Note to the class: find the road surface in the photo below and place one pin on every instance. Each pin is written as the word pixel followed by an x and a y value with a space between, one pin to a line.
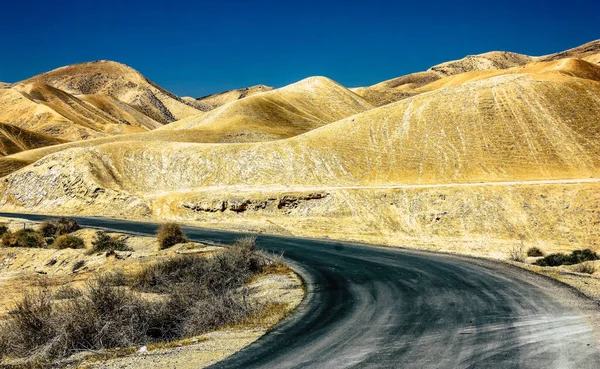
pixel 372 307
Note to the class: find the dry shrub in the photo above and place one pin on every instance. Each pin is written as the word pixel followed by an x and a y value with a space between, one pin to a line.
pixel 517 253
pixel 246 242
pixel 3 229
pixel 78 265
pixel 170 234
pixel 587 267
pixel 59 227
pixel 534 252
pixel 66 241
pixel 23 238
pixel 104 242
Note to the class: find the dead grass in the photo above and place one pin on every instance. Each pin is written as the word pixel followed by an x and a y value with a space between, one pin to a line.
pixel 517 253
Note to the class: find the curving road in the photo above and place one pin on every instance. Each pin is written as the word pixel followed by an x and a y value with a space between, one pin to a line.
pixel 371 307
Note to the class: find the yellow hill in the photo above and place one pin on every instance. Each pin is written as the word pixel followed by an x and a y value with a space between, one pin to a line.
pixel 48 110
pixel 518 126
pixel 481 158
pixel 281 113
pixel 276 114
pixel 120 81
pixel 216 100
pixel 589 52
pixel 406 86
pixel 196 103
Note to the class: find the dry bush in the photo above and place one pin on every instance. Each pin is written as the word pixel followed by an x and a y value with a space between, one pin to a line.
pixel 3 229
pixel 534 252
pixel 58 227
pixel 586 267
pixel 247 242
pixel 517 253
pixel 66 241
pixel 104 242
pixel 23 238
pixel 170 234
pixel 78 265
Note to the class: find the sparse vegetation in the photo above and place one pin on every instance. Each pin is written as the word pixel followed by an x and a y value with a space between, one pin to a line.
pixel 3 229
pixel 587 267
pixel 575 257
pixel 170 234
pixel 23 238
pixel 192 295
pixel 534 252
pixel 67 241
pixel 517 253
pixel 104 242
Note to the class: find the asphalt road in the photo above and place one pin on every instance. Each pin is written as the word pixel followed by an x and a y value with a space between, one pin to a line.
pixel 371 307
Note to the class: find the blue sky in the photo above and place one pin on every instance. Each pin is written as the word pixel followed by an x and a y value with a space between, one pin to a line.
pixel 196 48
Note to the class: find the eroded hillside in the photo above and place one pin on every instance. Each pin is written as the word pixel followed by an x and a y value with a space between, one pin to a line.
pixel 119 81
pixel 216 100
pixel 484 157
pixel 281 113
pixel 410 85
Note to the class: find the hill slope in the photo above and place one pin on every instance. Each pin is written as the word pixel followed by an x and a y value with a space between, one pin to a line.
pixel 282 113
pixel 216 100
pixel 276 114
pixel 14 139
pixel 520 126
pixel 487 156
pixel 405 86
pixel 119 81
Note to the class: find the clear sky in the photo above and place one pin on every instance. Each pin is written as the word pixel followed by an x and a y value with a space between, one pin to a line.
pixel 194 48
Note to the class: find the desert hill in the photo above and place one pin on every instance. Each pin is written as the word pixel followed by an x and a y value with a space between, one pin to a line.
pixel 589 52
pixel 405 86
pixel 281 113
pixel 48 110
pixel 215 100
pixel 121 82
pixel 491 156
pixel 485 130
pixel 124 113
pixel 89 100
